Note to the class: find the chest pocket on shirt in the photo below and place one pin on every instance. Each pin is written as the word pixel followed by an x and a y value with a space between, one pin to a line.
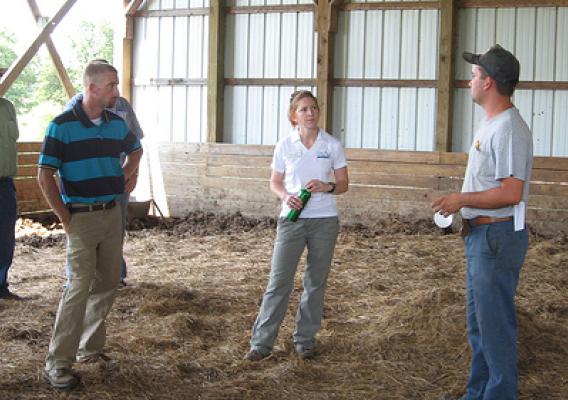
pixel 484 160
pixel 324 164
pixel 323 158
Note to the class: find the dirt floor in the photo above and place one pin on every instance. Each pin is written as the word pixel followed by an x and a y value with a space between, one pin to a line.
pixel 394 324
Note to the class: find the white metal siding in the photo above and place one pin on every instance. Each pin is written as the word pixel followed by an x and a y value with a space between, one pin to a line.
pixel 372 44
pixel 537 36
pixel 391 44
pixel 171 49
pixel 257 114
pixel 265 45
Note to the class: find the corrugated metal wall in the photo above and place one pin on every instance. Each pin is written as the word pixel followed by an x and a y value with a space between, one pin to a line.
pixel 537 36
pixel 170 72
pixel 265 46
pixel 389 44
pixel 170 69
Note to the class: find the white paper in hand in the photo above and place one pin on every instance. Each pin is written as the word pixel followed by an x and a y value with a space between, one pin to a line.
pixel 443 222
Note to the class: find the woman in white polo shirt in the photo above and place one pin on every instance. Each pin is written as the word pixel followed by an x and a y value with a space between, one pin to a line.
pixel 313 159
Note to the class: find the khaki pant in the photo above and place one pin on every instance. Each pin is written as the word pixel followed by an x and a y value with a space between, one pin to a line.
pixel 319 236
pixel 94 255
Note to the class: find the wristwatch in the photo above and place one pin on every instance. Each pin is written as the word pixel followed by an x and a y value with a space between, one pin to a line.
pixel 332 187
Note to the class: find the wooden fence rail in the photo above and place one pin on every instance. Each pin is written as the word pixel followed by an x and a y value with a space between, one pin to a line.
pixel 30 198
pixel 230 178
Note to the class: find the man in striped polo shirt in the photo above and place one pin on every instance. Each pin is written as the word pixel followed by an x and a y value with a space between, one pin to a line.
pixel 83 146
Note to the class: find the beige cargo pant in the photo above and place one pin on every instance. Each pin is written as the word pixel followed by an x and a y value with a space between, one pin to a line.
pixel 94 256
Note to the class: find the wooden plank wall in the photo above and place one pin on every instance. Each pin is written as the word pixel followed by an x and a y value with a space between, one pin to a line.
pixel 29 196
pixel 230 178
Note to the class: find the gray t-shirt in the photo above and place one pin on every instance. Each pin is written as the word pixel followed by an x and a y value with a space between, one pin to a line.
pixel 502 147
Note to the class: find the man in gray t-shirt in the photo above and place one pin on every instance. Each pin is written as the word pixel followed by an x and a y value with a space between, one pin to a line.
pixel 493 206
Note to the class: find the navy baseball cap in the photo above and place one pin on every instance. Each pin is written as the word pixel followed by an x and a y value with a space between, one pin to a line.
pixel 499 64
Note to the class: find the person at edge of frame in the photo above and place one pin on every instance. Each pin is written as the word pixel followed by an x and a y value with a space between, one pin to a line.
pixel 9 134
pixel 493 206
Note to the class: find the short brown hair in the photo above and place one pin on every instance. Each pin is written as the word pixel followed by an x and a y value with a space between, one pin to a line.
pixel 295 99
pixel 505 89
pixel 94 69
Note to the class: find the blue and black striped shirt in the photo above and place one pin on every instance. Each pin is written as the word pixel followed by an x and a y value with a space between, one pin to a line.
pixel 87 156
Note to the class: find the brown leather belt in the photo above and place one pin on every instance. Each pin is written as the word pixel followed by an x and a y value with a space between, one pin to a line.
pixel 484 220
pixel 481 220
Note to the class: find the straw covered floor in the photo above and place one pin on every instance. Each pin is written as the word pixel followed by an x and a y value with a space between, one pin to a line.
pixel 394 318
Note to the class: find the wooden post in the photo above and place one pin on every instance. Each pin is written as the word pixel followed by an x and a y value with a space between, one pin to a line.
pixel 216 72
pixel 61 71
pixel 16 68
pixel 444 117
pixel 326 26
pixel 127 48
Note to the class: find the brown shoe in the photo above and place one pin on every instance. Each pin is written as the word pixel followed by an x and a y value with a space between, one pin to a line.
pixel 61 378
pixel 255 355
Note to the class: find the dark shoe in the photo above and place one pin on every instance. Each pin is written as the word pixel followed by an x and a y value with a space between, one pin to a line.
pixel 61 378
pixel 7 295
pixel 255 355
pixel 122 284
pixel 93 358
pixel 305 352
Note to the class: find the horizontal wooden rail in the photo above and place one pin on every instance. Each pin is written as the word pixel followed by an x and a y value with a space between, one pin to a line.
pixel 231 177
pixel 28 194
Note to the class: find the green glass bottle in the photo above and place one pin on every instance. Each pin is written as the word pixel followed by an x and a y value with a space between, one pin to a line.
pixel 304 195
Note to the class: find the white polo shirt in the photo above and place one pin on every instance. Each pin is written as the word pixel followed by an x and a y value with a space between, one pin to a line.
pixel 300 165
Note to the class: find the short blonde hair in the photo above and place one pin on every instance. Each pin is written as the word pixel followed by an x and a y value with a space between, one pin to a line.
pixel 94 69
pixel 295 99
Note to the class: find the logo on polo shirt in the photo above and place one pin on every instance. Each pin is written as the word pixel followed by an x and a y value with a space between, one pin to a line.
pixel 323 154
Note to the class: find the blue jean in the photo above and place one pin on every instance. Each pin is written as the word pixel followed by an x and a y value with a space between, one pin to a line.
pixel 8 216
pixel 495 254
pixel 319 235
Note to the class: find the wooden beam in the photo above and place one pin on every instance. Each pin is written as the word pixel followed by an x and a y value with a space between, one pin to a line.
pixel 510 3
pixel 326 26
pixel 131 6
pixel 444 113
pixel 216 71
pixel 392 5
pixel 61 71
pixel 530 85
pixel 285 8
pixel 17 66
pixel 169 82
pixel 173 13
pixel 269 82
pixel 386 83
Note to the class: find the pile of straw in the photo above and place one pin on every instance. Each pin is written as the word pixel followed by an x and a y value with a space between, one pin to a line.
pixel 394 317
